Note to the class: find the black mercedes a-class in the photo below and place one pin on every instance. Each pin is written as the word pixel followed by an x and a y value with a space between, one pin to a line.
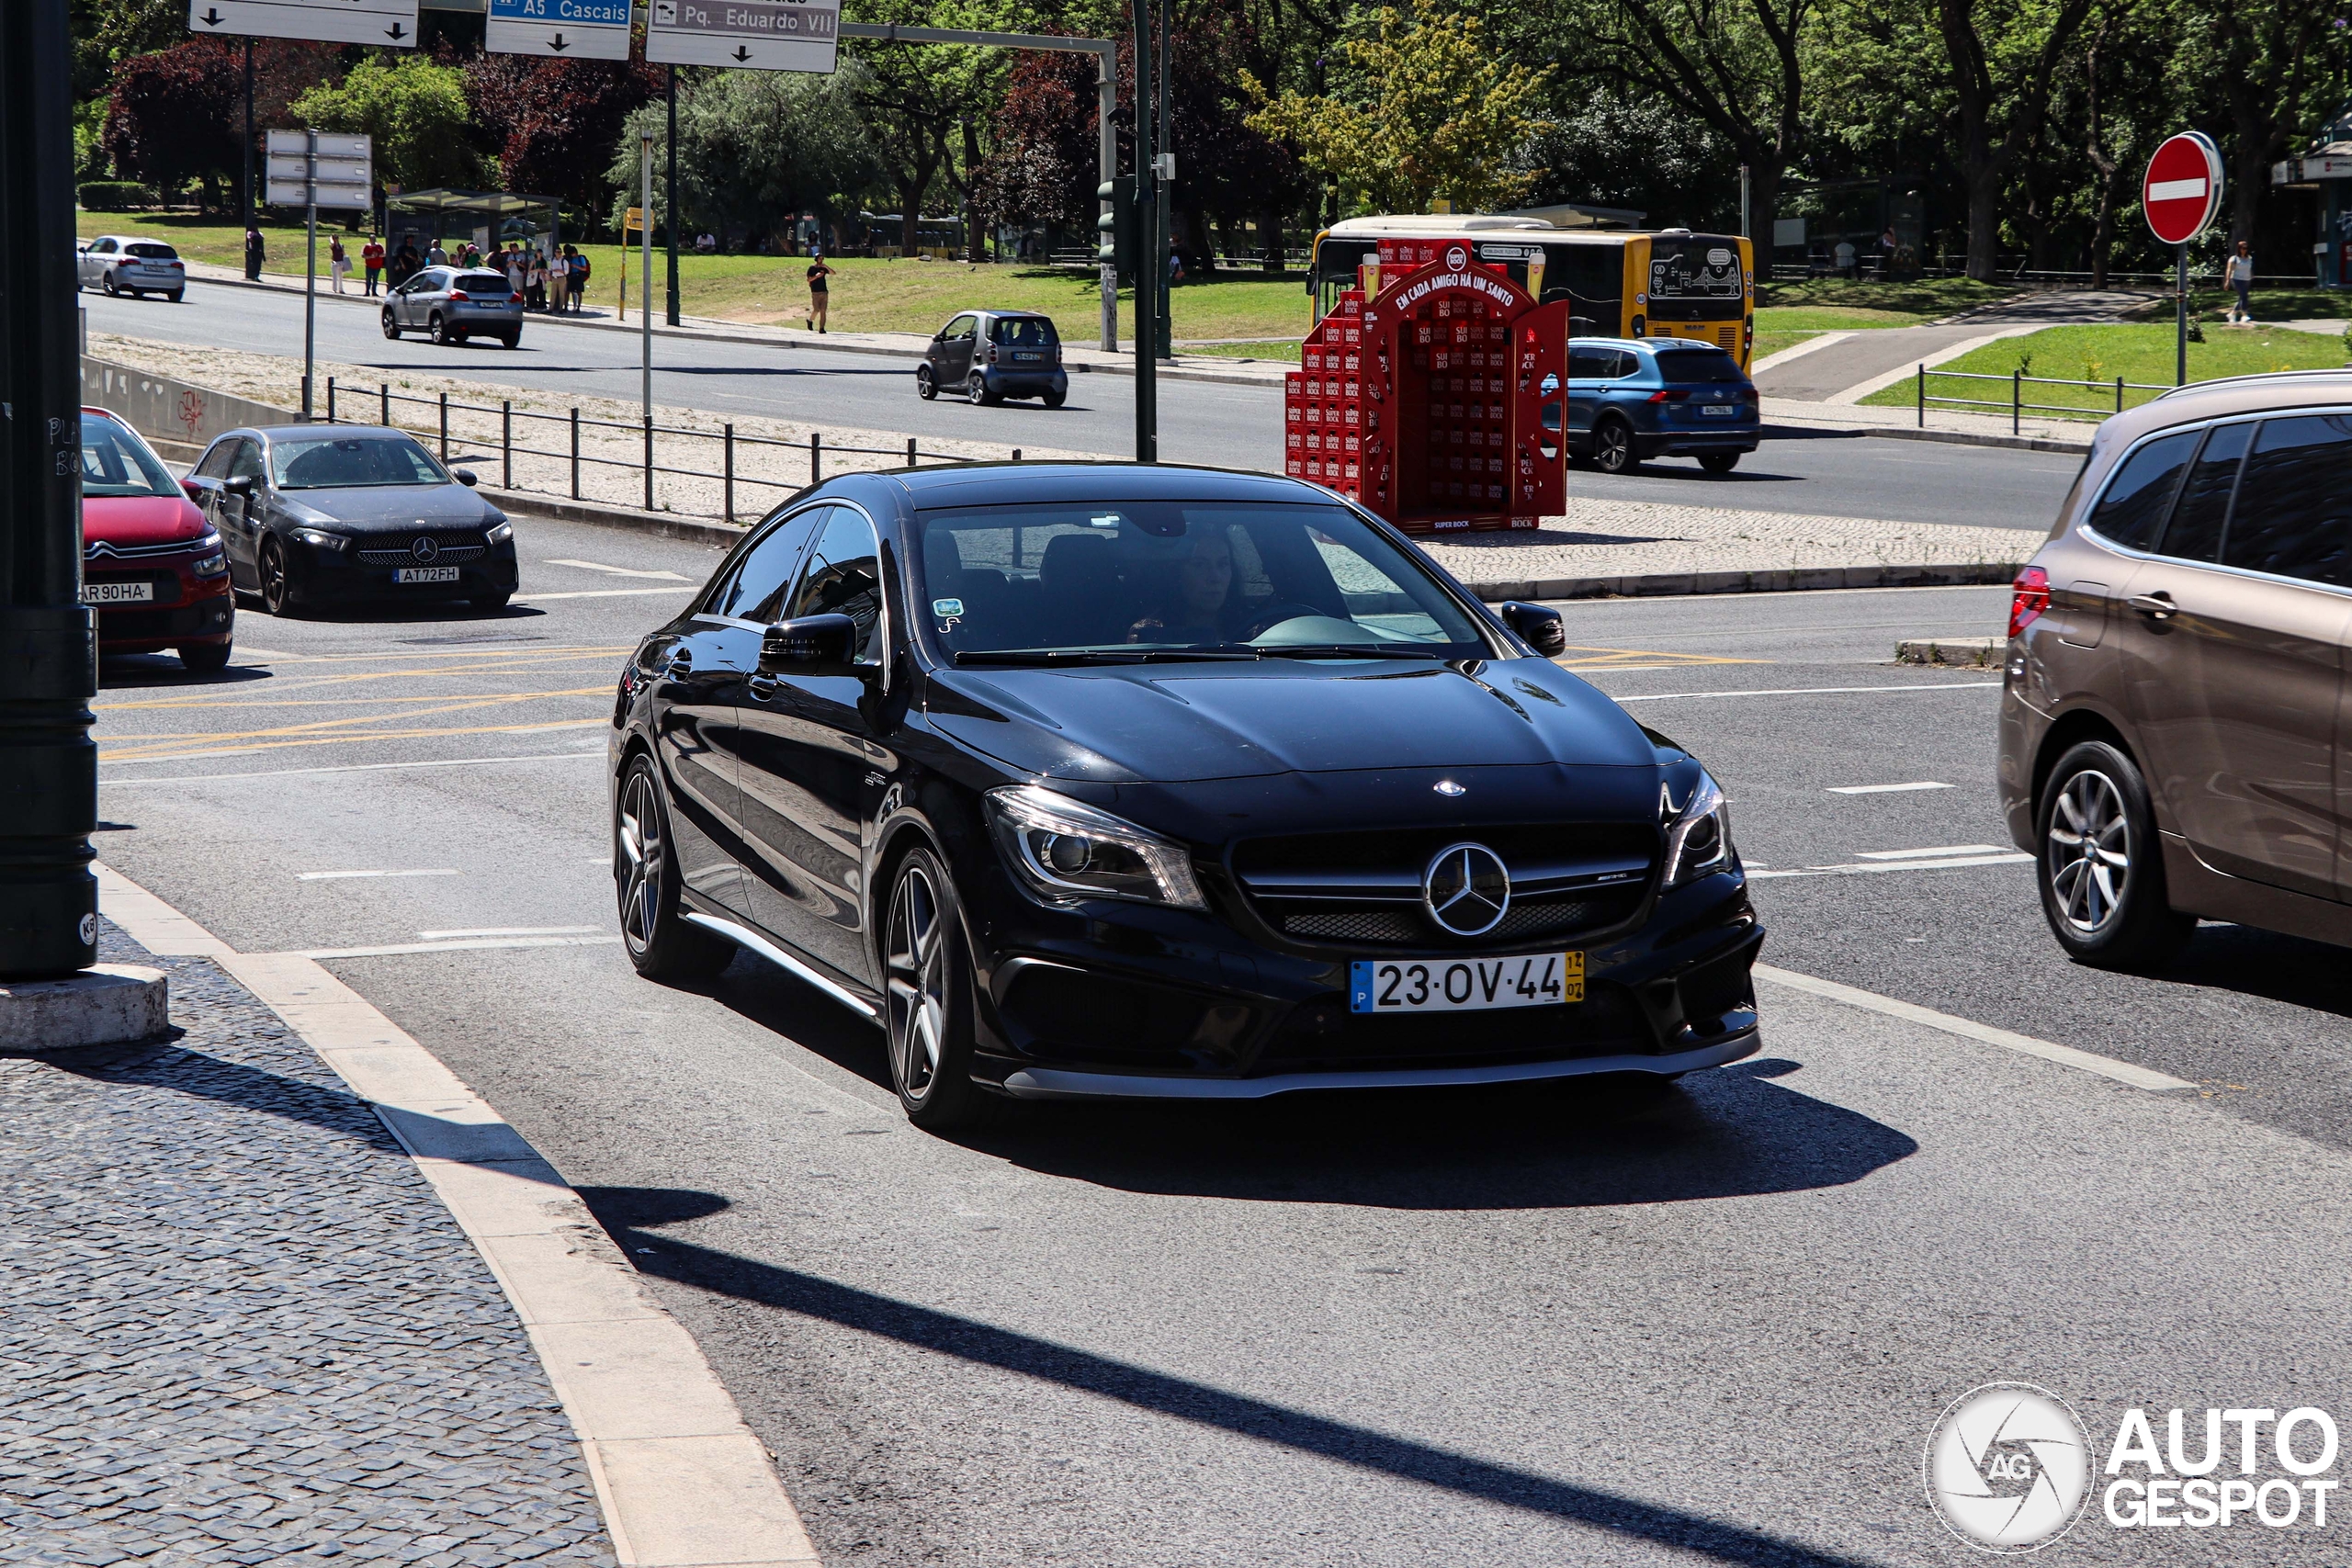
pixel 1109 781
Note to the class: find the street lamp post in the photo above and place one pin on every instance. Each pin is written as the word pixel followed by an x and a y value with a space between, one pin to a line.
pixel 1149 265
pixel 669 197
pixel 48 770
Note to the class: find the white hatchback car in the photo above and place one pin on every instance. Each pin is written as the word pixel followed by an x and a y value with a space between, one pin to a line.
pixel 125 264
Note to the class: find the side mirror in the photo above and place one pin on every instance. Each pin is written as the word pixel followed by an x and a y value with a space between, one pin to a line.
pixel 193 489
pixel 812 645
pixel 1542 629
pixel 466 477
pixel 241 485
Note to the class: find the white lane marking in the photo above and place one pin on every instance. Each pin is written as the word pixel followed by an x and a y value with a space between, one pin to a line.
pixel 600 859
pixel 620 570
pixel 1804 691
pixel 667 1452
pixel 1884 789
pixel 603 594
pixel 354 768
pixel 1856 870
pixel 508 931
pixel 1938 852
pixel 477 945
pixel 341 875
pixel 1969 1029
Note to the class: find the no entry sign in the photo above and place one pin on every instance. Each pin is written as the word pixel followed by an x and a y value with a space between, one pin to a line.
pixel 2183 187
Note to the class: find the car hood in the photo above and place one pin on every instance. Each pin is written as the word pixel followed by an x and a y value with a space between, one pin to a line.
pixel 390 508
pixel 139 520
pixel 1169 724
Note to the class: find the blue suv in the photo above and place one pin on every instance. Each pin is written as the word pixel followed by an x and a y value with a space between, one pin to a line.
pixel 1635 398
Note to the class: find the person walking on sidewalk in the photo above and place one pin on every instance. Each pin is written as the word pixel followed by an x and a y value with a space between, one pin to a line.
pixel 818 272
pixel 2240 278
pixel 254 253
pixel 338 262
pixel 371 257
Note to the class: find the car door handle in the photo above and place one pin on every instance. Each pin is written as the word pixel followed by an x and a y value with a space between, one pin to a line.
pixel 2155 606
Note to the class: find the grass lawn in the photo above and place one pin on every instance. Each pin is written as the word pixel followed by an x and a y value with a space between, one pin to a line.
pixel 1920 299
pixel 2139 353
pixel 2270 304
pixel 867 295
pixel 1768 343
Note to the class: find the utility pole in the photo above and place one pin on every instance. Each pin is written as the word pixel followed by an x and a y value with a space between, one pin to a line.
pixel 1148 272
pixel 645 242
pixel 1164 188
pixel 310 270
pixel 48 667
pixel 669 197
pixel 253 267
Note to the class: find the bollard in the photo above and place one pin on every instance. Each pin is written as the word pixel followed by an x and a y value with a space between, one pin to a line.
pixel 648 450
pixel 385 407
pixel 575 454
pixel 330 400
pixel 731 473
pixel 2017 398
pixel 444 428
pixel 2119 394
pixel 910 451
pixel 1016 453
pixel 1923 394
pixel 816 456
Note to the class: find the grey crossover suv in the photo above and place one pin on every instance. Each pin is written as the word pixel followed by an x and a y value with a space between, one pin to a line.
pixel 453 304
pixel 2171 744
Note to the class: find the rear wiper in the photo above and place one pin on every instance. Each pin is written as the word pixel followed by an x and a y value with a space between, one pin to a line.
pixel 1357 650
pixel 1048 657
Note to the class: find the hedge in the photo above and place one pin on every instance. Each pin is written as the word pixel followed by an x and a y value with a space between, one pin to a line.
pixel 115 196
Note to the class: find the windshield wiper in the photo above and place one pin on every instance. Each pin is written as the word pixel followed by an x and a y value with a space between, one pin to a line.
pixel 1046 657
pixel 1360 651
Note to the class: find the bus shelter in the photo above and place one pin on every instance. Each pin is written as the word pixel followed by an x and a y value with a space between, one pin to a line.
pixel 1434 394
pixel 489 219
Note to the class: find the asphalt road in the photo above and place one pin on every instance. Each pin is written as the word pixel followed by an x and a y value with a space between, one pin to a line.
pixel 1211 423
pixel 1493 1329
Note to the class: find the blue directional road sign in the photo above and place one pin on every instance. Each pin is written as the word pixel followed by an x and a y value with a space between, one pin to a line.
pixel 559 29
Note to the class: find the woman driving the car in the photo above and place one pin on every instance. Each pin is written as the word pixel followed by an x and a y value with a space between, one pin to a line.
pixel 1198 607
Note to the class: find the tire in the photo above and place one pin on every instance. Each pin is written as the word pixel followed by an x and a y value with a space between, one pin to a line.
pixel 925 387
pixel 1613 447
pixel 177 295
pixel 927 1003
pixel 490 604
pixel 975 391
pixel 277 580
pixel 660 942
pixel 105 283
pixel 391 327
pixel 1719 462
pixel 2101 870
pixel 509 340
pixel 203 657
pixel 1055 400
pixel 439 331
pixel 138 294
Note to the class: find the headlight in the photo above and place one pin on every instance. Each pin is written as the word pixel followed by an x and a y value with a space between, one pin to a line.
pixel 500 532
pixel 1066 850
pixel 1699 839
pixel 322 539
pixel 213 565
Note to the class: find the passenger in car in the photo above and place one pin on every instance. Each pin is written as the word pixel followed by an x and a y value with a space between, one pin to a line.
pixel 1199 601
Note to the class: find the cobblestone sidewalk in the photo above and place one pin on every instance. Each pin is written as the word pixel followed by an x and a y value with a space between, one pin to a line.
pixel 236 1325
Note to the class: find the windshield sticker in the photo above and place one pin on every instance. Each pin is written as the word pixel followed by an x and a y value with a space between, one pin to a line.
pixel 947 609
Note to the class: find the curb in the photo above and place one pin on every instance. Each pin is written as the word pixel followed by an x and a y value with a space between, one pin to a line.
pixel 1788 581
pixel 662 525
pixel 682 1482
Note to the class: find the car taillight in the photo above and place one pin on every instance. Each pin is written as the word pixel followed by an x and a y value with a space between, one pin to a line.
pixel 182 266
pixel 514 299
pixel 1748 394
pixel 991 353
pixel 2029 597
pixel 460 294
pixel 1671 395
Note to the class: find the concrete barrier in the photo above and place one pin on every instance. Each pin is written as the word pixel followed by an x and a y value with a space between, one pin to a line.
pixel 165 410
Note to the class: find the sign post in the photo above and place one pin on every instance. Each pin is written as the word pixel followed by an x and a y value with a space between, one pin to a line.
pixel 313 169
pixel 645 303
pixel 387 24
pixel 2179 194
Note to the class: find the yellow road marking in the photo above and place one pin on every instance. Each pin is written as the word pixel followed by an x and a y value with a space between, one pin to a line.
pixel 1623 657
pixel 342 702
pixel 145 745
pixel 159 756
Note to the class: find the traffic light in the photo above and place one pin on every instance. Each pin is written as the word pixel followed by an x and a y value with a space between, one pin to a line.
pixel 1120 242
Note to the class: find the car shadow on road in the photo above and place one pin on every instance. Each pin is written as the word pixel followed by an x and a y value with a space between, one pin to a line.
pixel 142 670
pixel 633 1215
pixel 1730 1133
pixel 2269 965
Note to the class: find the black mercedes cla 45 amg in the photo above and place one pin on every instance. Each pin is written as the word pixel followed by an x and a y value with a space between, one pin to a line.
pixel 1104 781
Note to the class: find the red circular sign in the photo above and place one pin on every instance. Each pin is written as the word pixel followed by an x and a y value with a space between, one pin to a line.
pixel 2182 188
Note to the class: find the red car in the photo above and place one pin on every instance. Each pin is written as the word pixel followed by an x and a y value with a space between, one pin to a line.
pixel 152 566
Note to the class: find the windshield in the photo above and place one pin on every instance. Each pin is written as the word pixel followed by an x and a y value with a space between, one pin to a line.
pixel 1711 365
pixel 1135 579
pixel 117 463
pixel 341 462
pixel 151 251
pixel 1024 332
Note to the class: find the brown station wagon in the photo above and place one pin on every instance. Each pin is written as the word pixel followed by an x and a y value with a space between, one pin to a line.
pixel 2173 743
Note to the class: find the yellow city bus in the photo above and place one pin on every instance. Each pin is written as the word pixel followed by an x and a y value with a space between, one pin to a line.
pixel 1661 283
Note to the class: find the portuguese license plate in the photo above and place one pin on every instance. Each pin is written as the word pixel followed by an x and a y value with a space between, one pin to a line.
pixel 1718 410
pixel 117 594
pixel 1464 985
pixel 425 574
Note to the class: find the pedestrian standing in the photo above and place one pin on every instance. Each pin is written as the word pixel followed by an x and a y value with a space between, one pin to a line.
pixel 535 281
pixel 254 253
pixel 371 258
pixel 576 284
pixel 514 271
pixel 1845 257
pixel 818 272
pixel 558 270
pixel 338 263
pixel 436 254
pixel 2240 278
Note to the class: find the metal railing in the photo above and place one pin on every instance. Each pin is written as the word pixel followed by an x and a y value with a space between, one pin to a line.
pixel 2016 405
pixel 729 473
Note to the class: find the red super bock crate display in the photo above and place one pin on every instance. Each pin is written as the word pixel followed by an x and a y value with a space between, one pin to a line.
pixel 1433 395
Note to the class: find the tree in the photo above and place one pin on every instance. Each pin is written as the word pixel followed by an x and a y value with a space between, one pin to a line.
pixel 2001 56
pixel 107 32
pixel 552 124
pixel 1626 150
pixel 1435 114
pixel 177 115
pixel 414 110
pixel 756 150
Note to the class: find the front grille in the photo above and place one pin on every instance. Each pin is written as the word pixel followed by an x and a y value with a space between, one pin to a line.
pixel 1364 889
pixel 455 549
pixel 107 549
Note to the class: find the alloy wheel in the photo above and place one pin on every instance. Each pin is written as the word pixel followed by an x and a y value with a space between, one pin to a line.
pixel 925 387
pixel 1612 446
pixel 277 587
pixel 977 390
pixel 2088 858
pixel 391 327
pixel 918 980
pixel 637 861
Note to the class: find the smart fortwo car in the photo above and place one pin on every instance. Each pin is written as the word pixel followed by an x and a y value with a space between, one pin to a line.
pixel 990 356
pixel 1151 782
